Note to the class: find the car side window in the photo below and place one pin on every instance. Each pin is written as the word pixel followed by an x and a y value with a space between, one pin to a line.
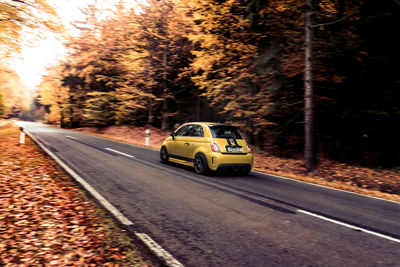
pixel 190 130
pixel 184 131
pixel 197 131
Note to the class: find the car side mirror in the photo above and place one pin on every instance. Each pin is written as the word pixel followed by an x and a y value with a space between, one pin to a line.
pixel 173 135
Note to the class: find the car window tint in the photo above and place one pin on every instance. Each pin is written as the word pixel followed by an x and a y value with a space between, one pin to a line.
pixel 197 131
pixel 183 131
pixel 190 130
pixel 223 131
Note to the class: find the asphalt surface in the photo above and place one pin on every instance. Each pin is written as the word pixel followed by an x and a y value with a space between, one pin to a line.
pixel 228 220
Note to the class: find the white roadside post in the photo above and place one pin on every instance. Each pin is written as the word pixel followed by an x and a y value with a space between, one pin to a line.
pixel 21 135
pixel 147 138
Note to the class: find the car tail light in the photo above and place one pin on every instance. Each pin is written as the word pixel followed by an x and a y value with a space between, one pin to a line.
pixel 215 148
pixel 248 149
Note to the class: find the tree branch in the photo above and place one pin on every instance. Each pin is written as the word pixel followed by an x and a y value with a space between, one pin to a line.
pixel 332 22
pixel 17 8
pixel 22 2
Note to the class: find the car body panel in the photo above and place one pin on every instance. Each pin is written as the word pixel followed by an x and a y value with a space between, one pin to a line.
pixel 233 149
pixel 178 147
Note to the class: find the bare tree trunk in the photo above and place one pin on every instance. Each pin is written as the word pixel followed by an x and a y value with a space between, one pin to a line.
pixel 164 123
pixel 150 113
pixel 62 123
pixel 308 92
pixel 71 117
pixel 60 107
pixel 198 105
pixel 71 111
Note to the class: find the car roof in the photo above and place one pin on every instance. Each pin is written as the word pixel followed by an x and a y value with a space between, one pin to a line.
pixel 211 124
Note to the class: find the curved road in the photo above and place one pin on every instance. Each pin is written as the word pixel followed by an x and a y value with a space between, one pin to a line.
pixel 223 220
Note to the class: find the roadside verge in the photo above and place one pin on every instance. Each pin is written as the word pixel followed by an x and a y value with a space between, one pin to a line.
pixel 163 256
pixel 46 220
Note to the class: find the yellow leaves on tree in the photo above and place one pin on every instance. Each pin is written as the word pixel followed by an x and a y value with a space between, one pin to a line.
pixel 224 66
pixel 13 91
pixel 53 94
pixel 18 16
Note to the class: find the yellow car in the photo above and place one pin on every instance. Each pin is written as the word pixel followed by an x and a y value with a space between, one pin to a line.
pixel 208 146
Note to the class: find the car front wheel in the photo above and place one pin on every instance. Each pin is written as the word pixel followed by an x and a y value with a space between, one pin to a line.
pixel 200 164
pixel 164 155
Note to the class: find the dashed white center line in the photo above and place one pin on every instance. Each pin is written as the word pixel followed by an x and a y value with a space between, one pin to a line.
pixel 71 137
pixel 350 226
pixel 119 152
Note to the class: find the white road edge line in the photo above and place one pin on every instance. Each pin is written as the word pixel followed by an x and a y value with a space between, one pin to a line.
pixel 158 250
pixel 119 152
pixel 147 240
pixel 71 137
pixel 87 186
pixel 350 226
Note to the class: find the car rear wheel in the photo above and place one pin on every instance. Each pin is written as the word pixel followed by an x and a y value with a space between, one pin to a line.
pixel 200 164
pixel 164 155
pixel 244 170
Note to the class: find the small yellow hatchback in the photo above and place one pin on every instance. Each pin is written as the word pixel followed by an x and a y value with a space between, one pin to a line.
pixel 208 146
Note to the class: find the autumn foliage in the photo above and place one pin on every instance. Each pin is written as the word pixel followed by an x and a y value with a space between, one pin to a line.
pixel 19 19
pixel 171 61
pixel 45 219
pixel 13 96
pixel 240 62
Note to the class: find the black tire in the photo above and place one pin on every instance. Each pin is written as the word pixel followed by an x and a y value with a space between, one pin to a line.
pixel 244 170
pixel 200 164
pixel 164 155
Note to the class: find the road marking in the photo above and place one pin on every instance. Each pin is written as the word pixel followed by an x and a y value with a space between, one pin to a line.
pixel 156 246
pixel 119 152
pixel 350 226
pixel 106 204
pixel 158 250
pixel 147 240
pixel 71 137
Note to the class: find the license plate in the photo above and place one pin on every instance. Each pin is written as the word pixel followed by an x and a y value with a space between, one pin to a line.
pixel 234 149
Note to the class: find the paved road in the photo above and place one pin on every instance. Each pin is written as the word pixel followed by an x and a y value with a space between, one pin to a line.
pixel 223 220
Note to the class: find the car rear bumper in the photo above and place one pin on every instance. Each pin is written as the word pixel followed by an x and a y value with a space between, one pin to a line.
pixel 236 167
pixel 218 161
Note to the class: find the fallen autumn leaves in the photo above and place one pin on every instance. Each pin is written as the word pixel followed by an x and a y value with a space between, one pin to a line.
pixel 45 219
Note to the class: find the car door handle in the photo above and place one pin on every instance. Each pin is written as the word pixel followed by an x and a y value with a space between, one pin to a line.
pixel 187 143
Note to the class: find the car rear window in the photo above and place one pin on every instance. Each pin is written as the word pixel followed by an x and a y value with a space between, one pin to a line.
pixel 224 131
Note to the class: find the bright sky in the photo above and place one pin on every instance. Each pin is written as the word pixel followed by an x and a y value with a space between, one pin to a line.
pixel 34 58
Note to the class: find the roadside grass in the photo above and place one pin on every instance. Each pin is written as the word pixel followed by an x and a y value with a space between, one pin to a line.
pixel 46 219
pixel 382 183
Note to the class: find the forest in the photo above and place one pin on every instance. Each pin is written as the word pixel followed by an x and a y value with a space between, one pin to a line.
pixel 235 61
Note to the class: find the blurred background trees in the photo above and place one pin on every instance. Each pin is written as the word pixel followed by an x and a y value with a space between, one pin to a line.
pixel 16 18
pixel 13 96
pixel 242 62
